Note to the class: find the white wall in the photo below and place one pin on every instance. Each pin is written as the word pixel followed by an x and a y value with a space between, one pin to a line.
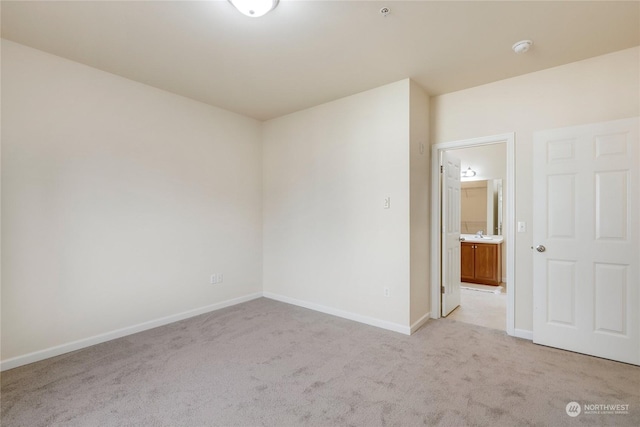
pixel 328 241
pixel 118 202
pixel 420 195
pixel 594 90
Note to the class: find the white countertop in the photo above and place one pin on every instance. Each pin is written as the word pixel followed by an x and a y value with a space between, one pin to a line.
pixel 493 240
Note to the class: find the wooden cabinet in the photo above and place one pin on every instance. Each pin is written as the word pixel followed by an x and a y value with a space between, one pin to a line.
pixel 481 263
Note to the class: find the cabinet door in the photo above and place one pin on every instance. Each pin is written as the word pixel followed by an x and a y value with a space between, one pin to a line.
pixel 466 262
pixel 486 262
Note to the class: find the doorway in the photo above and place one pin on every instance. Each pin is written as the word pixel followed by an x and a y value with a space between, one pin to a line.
pixel 497 222
pixel 483 299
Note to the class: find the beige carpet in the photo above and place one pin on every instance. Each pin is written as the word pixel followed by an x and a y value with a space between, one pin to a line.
pixel 272 364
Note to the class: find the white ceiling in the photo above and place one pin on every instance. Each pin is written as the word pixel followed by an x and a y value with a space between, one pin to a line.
pixel 306 53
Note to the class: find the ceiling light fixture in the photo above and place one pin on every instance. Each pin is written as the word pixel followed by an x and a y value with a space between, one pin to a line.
pixel 522 46
pixel 468 173
pixel 254 8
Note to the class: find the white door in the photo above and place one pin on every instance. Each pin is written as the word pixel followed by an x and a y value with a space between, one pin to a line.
pixel 450 233
pixel 586 239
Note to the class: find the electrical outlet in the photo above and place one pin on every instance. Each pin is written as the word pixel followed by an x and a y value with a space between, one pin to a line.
pixel 220 278
pixel 386 292
pixel 387 202
pixel 216 278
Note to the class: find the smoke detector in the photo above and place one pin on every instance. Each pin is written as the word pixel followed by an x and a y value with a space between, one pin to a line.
pixel 385 11
pixel 522 46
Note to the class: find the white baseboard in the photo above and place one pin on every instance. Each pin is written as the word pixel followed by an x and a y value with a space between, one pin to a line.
pixel 340 313
pixel 119 333
pixel 420 322
pixel 523 333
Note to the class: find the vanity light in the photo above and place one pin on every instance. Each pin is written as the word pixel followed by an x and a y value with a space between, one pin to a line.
pixel 254 8
pixel 468 173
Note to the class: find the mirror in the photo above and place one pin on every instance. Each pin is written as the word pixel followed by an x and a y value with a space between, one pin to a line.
pixel 481 207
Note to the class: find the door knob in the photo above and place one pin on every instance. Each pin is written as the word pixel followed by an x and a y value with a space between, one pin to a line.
pixel 540 248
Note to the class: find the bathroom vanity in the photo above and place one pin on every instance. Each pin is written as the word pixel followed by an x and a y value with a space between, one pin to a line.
pixel 481 259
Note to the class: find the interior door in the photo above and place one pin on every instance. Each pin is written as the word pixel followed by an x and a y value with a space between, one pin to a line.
pixel 450 233
pixel 586 240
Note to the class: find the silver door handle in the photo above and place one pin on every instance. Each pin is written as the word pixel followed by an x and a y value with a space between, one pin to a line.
pixel 540 248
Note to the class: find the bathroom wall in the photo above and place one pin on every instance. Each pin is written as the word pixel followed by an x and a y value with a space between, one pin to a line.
pixel 473 208
pixel 489 162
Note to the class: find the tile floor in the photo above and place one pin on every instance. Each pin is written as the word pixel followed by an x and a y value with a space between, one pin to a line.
pixel 486 309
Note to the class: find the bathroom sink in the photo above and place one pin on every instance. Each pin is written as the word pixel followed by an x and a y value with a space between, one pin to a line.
pixel 479 239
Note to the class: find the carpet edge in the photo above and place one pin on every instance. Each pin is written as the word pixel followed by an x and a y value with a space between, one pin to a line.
pixel 58 350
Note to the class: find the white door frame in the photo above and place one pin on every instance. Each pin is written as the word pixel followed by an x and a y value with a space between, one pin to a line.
pixel 509 223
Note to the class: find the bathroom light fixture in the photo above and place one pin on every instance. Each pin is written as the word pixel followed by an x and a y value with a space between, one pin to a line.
pixel 468 173
pixel 254 8
pixel 522 46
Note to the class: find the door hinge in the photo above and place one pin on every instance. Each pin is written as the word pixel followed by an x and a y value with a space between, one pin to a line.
pixel 441 168
pixel 442 289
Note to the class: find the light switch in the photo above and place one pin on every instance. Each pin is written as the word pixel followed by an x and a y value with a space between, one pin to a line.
pixel 522 226
pixel 387 202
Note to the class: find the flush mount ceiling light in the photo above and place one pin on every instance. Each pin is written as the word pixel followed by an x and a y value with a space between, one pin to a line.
pixel 254 8
pixel 468 173
pixel 522 46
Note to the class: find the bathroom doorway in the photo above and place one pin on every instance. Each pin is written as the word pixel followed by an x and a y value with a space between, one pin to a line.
pixel 483 300
pixel 486 234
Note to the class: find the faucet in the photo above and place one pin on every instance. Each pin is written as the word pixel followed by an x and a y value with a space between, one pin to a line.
pixel 479 234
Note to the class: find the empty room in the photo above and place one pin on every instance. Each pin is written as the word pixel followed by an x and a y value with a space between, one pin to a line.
pixel 320 213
